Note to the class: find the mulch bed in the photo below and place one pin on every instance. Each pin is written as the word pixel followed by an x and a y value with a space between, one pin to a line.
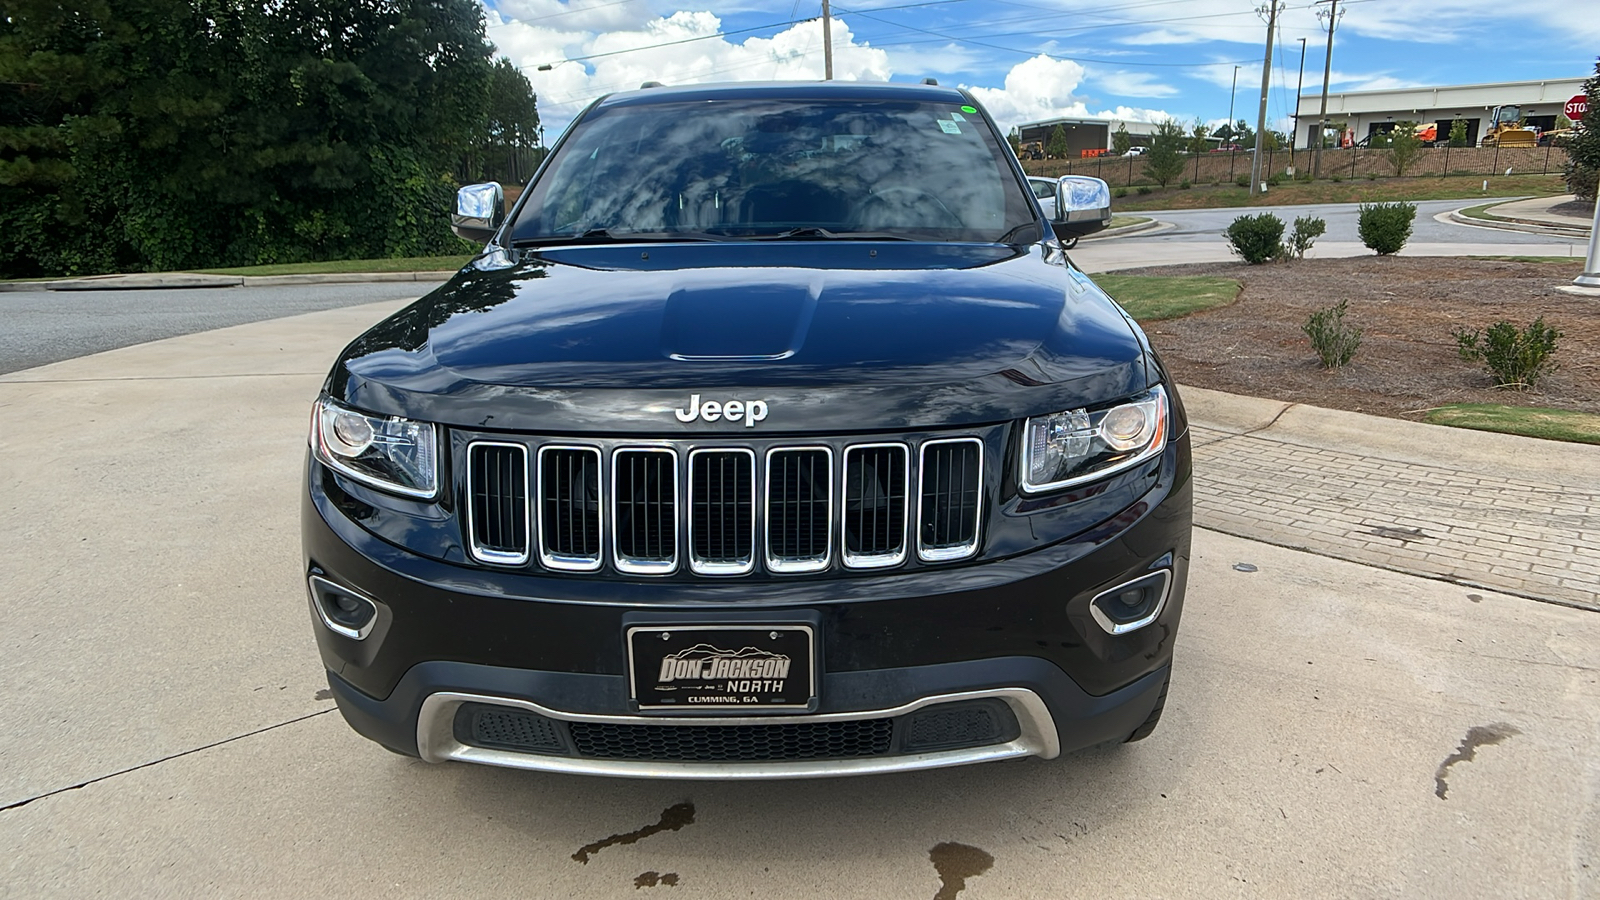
pixel 1407 308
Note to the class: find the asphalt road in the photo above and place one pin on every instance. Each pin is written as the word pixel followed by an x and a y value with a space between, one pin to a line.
pixel 1208 224
pixel 1332 731
pixel 45 326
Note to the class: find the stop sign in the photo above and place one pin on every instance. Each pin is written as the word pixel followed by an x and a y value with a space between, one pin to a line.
pixel 1577 106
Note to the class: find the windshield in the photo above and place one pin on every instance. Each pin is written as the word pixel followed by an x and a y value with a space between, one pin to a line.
pixel 754 168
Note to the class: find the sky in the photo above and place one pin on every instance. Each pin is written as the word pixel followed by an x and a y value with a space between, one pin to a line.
pixel 1028 60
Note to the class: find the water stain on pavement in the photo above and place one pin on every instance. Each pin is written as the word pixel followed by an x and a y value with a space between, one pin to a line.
pixel 651 879
pixel 1477 736
pixel 672 818
pixel 323 694
pixel 955 863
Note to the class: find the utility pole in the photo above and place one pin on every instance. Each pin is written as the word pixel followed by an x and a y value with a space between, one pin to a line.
pixel 1232 93
pixel 1327 69
pixel 1298 86
pixel 827 42
pixel 1261 112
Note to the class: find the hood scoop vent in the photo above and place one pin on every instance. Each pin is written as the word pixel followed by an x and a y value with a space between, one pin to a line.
pixel 743 322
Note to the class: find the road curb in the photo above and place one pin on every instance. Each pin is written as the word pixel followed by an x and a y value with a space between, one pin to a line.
pixel 1150 225
pixel 179 280
pixel 1507 223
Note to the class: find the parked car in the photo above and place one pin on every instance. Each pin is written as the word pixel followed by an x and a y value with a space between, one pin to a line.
pixel 773 434
pixel 1137 151
pixel 1226 148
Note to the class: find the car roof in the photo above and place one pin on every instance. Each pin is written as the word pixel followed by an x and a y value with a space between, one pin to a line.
pixel 787 90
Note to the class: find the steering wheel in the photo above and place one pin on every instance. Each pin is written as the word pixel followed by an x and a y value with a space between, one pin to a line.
pixel 911 198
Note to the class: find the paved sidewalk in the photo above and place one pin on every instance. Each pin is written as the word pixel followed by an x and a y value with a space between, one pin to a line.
pixel 1540 211
pixel 1511 514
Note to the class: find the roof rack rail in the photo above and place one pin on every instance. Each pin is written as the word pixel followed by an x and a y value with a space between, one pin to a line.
pixel 650 84
pixel 932 81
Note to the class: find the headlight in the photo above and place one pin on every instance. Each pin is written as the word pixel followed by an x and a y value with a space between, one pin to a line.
pixel 390 453
pixel 1070 448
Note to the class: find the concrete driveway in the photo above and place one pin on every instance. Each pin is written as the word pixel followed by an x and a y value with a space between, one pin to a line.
pixel 1334 730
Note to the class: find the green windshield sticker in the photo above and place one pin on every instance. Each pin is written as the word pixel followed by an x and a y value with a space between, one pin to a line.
pixel 949 127
pixel 970 110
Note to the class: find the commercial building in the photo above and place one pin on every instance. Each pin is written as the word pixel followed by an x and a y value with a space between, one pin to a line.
pixel 1363 113
pixel 1086 134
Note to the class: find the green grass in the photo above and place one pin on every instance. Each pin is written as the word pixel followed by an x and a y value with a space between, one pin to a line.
pixel 1151 298
pixel 1127 221
pixel 343 266
pixel 1455 187
pixel 1528 421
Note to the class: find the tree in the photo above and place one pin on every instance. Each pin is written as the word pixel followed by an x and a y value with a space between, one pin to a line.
pixel 1121 140
pixel 1458 132
pixel 1057 146
pixel 1583 149
pixel 1164 161
pixel 1014 138
pixel 170 134
pixel 1404 146
pixel 1197 137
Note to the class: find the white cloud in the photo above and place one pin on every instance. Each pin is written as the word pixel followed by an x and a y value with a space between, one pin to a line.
pixel 1045 88
pixel 794 54
pixel 1133 84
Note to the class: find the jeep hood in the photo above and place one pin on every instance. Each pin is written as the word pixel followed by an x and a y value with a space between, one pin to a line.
pixel 836 336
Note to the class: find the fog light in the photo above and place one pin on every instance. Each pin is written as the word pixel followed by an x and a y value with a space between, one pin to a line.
pixel 342 610
pixel 1131 606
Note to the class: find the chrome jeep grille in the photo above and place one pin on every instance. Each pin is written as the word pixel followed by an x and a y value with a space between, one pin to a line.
pixel 497 480
pixel 951 490
pixel 644 497
pixel 660 507
pixel 570 512
pixel 799 509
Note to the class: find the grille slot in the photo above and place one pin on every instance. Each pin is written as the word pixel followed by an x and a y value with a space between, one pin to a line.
pixel 877 480
pixel 722 501
pixel 497 485
pixel 644 499
pixel 713 743
pixel 569 508
pixel 799 509
pixel 950 485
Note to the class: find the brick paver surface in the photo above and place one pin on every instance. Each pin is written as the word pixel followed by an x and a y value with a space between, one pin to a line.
pixel 1536 540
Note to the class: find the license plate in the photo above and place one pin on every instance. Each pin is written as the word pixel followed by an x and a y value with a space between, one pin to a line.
pixel 722 667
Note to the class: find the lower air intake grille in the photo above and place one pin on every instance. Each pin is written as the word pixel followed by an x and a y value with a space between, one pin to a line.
pixel 569 510
pixel 482 725
pixel 799 516
pixel 722 511
pixel 951 487
pixel 497 484
pixel 875 491
pixel 712 743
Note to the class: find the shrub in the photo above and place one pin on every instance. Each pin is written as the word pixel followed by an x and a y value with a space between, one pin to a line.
pixel 1385 227
pixel 1372 176
pixel 1336 178
pixel 1334 341
pixel 1184 186
pixel 1120 192
pixel 1257 238
pixel 1516 359
pixel 1306 231
pixel 1242 180
pixel 1145 189
pixel 1274 180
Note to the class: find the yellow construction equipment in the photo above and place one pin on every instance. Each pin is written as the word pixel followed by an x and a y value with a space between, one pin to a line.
pixel 1506 129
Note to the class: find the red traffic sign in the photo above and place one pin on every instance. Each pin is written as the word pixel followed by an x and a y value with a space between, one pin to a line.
pixel 1577 106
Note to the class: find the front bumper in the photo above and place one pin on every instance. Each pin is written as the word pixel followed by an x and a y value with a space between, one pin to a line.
pixel 1017 631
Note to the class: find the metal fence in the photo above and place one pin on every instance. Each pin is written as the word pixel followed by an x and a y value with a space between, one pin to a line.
pixel 1354 162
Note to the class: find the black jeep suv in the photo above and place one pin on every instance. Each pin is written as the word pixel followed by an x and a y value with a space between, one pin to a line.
pixel 773 434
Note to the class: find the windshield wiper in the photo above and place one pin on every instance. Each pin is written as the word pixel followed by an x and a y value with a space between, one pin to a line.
pixel 607 236
pixel 812 232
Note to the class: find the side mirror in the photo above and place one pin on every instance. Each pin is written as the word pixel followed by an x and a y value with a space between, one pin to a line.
pixel 480 209
pixel 1083 207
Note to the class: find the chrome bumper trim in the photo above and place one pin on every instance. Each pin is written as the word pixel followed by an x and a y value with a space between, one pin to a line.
pixel 436 741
